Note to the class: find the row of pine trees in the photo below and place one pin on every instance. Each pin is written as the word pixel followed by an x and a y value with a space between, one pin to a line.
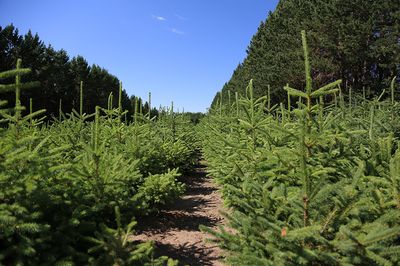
pixel 310 183
pixel 72 190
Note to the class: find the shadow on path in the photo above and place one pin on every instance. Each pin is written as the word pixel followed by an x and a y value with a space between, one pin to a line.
pixel 175 230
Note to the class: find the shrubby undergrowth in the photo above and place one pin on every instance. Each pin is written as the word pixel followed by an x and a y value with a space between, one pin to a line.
pixel 313 185
pixel 65 184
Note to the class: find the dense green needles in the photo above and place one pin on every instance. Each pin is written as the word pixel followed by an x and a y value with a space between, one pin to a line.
pixel 318 187
pixel 63 182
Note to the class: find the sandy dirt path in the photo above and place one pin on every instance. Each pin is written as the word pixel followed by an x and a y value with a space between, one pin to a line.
pixel 175 230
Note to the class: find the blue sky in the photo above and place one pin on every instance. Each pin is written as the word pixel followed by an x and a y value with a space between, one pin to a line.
pixel 179 50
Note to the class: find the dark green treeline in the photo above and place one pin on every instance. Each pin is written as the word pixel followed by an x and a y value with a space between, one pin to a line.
pixel 353 40
pixel 60 77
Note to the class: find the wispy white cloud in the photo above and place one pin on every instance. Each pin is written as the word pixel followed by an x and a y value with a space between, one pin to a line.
pixel 179 16
pixel 177 31
pixel 159 18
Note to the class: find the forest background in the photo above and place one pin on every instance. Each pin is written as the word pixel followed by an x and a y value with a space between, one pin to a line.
pixel 60 79
pixel 355 41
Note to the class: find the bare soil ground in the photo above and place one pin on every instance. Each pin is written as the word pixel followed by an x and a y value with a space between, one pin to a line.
pixel 175 230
